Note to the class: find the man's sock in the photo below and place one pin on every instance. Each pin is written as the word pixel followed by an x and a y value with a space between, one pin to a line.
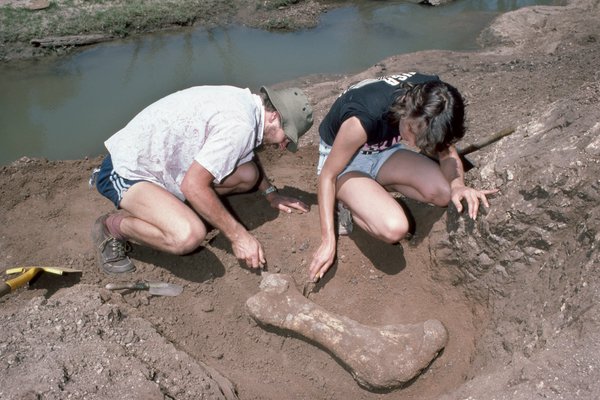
pixel 113 225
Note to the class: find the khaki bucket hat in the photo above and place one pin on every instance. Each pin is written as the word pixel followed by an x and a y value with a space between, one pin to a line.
pixel 296 113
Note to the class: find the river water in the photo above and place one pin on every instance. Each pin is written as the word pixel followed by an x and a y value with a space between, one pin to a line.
pixel 65 109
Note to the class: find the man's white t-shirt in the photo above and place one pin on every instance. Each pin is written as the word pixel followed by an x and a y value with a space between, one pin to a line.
pixel 217 126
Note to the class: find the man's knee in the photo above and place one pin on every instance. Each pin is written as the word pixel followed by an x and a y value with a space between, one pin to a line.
pixel 186 239
pixel 244 179
pixel 249 176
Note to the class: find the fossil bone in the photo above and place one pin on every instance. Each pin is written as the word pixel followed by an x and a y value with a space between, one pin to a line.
pixel 378 357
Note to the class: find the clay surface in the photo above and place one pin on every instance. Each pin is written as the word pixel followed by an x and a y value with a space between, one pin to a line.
pixel 517 290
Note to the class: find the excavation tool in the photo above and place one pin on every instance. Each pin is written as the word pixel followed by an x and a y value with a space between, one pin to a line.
pixel 155 288
pixel 308 288
pixel 27 274
pixel 468 149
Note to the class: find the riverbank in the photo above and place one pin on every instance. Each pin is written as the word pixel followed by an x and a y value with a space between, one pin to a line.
pixel 517 289
pixel 41 29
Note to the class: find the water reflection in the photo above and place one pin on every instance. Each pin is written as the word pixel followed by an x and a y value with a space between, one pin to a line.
pixel 66 109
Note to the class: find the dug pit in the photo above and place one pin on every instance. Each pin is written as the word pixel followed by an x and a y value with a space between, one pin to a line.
pixel 378 357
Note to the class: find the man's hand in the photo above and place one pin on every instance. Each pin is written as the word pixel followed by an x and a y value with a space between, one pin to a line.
pixel 472 197
pixel 286 204
pixel 197 186
pixel 248 249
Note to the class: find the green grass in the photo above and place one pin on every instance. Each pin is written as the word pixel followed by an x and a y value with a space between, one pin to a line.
pixel 275 4
pixel 99 16
pixel 18 24
pixel 279 24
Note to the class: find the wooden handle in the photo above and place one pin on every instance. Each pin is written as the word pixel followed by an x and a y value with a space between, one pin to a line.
pixel 485 141
pixel 4 289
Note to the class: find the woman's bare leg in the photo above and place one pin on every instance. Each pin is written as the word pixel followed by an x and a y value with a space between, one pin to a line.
pixel 373 208
pixel 416 177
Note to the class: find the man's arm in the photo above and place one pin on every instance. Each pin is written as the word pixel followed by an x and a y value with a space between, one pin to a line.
pixel 198 190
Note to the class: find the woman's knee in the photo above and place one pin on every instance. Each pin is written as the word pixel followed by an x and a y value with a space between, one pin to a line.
pixel 439 195
pixel 394 230
pixel 390 229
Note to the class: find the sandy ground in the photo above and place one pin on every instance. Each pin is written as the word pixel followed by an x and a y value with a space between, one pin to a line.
pixel 517 290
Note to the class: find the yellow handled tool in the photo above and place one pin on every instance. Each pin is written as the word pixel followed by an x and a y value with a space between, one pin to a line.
pixel 27 274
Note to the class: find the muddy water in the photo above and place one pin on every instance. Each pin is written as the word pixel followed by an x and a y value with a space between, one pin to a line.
pixel 65 109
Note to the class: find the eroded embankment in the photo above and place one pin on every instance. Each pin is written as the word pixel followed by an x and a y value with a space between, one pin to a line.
pixel 533 257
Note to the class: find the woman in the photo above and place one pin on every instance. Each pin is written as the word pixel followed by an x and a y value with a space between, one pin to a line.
pixel 365 154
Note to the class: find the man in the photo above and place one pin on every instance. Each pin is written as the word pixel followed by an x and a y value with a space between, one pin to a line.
pixel 362 158
pixel 167 168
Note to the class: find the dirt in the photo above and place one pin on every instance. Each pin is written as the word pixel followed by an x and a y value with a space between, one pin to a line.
pixel 517 289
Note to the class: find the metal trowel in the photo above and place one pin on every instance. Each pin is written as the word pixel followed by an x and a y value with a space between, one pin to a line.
pixel 155 288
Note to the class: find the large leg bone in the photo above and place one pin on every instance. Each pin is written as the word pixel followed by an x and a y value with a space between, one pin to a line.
pixel 383 357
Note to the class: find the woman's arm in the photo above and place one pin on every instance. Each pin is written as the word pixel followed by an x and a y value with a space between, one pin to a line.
pixel 452 169
pixel 349 139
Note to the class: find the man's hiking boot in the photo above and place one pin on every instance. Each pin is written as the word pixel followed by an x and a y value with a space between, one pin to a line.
pixel 112 252
pixel 344 219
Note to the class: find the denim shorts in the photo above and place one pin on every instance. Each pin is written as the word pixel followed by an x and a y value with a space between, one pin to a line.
pixel 110 184
pixel 369 163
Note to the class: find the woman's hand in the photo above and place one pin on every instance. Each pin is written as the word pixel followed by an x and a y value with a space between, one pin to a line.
pixel 322 260
pixel 472 197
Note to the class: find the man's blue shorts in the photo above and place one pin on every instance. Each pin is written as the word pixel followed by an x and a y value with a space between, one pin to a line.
pixel 110 184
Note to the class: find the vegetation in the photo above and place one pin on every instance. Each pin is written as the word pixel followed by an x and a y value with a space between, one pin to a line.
pixel 119 18
pixel 20 26
pixel 275 4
